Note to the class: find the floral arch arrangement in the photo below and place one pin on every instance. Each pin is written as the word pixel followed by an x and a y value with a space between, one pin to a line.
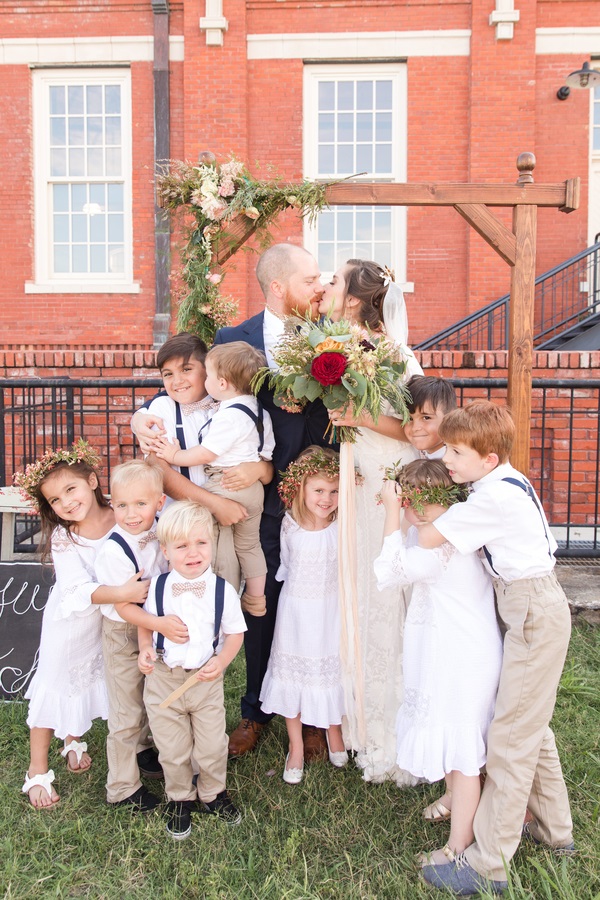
pixel 228 205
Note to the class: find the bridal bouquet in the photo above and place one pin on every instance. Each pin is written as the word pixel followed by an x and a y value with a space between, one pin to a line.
pixel 334 362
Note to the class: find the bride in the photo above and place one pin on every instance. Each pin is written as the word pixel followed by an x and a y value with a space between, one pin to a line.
pixel 363 292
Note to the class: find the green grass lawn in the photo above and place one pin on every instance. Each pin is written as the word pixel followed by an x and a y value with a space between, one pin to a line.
pixel 333 836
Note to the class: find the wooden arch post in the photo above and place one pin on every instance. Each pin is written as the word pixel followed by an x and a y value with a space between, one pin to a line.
pixel 516 247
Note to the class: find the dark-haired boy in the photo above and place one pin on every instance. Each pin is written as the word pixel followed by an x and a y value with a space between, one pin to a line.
pixel 431 399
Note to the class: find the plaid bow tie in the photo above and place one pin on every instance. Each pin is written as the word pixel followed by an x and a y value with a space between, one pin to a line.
pixel 194 587
pixel 148 539
pixel 207 404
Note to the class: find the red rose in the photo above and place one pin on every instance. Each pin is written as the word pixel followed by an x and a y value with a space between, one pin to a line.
pixel 328 368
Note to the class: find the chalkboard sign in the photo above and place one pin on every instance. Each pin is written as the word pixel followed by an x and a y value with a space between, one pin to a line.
pixel 24 589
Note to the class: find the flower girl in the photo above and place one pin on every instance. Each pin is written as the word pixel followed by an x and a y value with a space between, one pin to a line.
pixel 452 650
pixel 303 679
pixel 68 691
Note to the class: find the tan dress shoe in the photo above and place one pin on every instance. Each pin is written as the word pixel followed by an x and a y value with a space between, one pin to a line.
pixel 245 737
pixel 315 744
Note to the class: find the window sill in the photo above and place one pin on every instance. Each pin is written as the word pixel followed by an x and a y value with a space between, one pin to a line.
pixel 100 287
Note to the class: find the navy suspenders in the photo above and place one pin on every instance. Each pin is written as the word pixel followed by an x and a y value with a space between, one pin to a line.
pixel 160 610
pixel 181 437
pixel 125 548
pixel 257 419
pixel 528 488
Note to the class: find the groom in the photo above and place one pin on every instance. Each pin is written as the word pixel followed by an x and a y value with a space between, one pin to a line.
pixel 289 278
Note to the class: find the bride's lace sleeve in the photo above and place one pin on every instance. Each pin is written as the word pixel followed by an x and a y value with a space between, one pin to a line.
pixel 399 564
pixel 75 578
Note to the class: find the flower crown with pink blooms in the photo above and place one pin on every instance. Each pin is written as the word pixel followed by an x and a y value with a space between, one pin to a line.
pixel 29 480
pixel 315 463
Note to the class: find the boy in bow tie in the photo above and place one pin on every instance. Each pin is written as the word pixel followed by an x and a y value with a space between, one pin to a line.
pixel 192 727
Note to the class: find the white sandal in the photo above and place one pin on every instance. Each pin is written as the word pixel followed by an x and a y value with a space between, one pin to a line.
pixel 44 781
pixel 78 748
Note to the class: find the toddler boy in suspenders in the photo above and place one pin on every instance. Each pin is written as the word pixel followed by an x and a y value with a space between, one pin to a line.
pixel 191 729
pixel 240 431
pixel 504 518
pixel 132 547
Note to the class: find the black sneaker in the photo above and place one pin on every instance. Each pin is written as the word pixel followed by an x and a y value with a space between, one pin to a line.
pixel 142 800
pixel 148 763
pixel 179 820
pixel 223 807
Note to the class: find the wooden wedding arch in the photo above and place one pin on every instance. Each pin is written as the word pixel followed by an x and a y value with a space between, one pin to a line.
pixel 516 247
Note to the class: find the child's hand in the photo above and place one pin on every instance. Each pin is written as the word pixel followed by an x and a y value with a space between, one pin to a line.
pixel 391 495
pixel 173 629
pixel 166 449
pixel 212 670
pixel 146 660
pixel 134 590
pixel 146 428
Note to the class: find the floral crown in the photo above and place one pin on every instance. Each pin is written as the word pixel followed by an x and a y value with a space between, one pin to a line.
pixel 317 463
pixel 427 494
pixel 29 480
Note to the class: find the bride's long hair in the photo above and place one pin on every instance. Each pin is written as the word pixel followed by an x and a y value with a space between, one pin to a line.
pixel 366 282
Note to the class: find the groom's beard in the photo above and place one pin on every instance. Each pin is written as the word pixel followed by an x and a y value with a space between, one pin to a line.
pixel 299 307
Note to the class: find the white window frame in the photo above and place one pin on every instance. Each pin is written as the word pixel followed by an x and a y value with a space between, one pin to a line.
pixel 397 73
pixel 77 283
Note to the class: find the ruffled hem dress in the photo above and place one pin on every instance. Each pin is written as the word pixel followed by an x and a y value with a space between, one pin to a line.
pixel 452 657
pixel 68 691
pixel 304 675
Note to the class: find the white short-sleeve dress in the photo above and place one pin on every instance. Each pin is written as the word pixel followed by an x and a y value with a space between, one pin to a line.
pixel 67 691
pixel 303 675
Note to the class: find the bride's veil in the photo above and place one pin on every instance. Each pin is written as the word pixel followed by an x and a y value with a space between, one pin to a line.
pixel 395 322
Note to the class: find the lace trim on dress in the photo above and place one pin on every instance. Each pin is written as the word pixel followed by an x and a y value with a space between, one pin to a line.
pixel 85 675
pixel 323 672
pixel 416 705
pixel 61 542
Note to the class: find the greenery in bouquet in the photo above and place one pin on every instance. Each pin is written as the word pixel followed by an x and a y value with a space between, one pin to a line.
pixel 428 494
pixel 336 363
pixel 227 205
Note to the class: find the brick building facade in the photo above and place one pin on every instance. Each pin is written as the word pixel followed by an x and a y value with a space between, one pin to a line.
pixel 403 89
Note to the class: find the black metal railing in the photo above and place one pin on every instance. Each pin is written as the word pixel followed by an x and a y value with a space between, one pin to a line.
pixel 565 439
pixel 564 296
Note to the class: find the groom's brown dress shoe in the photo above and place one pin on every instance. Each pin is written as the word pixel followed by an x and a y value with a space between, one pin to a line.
pixel 244 738
pixel 315 744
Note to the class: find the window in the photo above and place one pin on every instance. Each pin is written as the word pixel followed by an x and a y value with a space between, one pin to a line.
pixel 594 191
pixel 355 122
pixel 82 153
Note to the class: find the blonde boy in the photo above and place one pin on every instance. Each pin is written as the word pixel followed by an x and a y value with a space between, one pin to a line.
pixel 136 497
pixel 240 431
pixel 192 727
pixel 504 518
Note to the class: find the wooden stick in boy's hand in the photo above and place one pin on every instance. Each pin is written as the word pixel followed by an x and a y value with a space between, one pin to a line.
pixel 193 679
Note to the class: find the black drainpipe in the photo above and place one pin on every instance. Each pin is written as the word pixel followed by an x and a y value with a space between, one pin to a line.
pixel 162 226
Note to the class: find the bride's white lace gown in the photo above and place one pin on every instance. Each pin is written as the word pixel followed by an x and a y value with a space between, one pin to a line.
pixel 381 614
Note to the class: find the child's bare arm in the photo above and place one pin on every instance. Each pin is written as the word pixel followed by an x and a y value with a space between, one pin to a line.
pixel 246 474
pixel 171 626
pixel 147 654
pixel 391 499
pixel 430 537
pixel 217 664
pixel 133 591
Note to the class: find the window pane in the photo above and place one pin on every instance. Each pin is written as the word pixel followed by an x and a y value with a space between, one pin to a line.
pixel 326 159
pixel 364 95
pixel 116 259
pixel 94 99
pixel 346 127
pixel 113 130
pixel 383 95
pixel 383 159
pixel 364 225
pixel 94 130
pixel 326 226
pixel 364 127
pixel 97 258
pixel 326 127
pixel 113 161
pixel 115 197
pixel 58 132
pixel 61 228
pixel 383 127
pixel 75 95
pixel 345 160
pixel 60 197
pixel 57 100
pixel 78 197
pixel 112 99
pixel 79 259
pixel 58 162
pixel 76 162
pixel 97 228
pixel 115 228
pixel 345 225
pixel 98 194
pixel 95 159
pixel 79 227
pixel 364 158
pixel 383 224
pixel 327 257
pixel 383 254
pixel 76 131
pixel 61 259
pixel 326 95
pixel 363 251
pixel 346 95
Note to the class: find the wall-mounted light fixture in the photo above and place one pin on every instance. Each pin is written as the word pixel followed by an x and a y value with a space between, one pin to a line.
pixel 582 78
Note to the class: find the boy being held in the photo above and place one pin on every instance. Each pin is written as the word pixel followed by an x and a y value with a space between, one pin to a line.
pixel 240 431
pixel 136 497
pixel 180 411
pixel 431 399
pixel 193 726
pixel 504 517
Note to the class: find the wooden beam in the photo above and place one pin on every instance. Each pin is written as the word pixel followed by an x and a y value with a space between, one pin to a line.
pixel 450 194
pixel 491 229
pixel 520 357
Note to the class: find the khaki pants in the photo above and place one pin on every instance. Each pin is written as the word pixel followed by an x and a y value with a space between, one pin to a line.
pixel 523 768
pixel 245 536
pixel 128 730
pixel 189 732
